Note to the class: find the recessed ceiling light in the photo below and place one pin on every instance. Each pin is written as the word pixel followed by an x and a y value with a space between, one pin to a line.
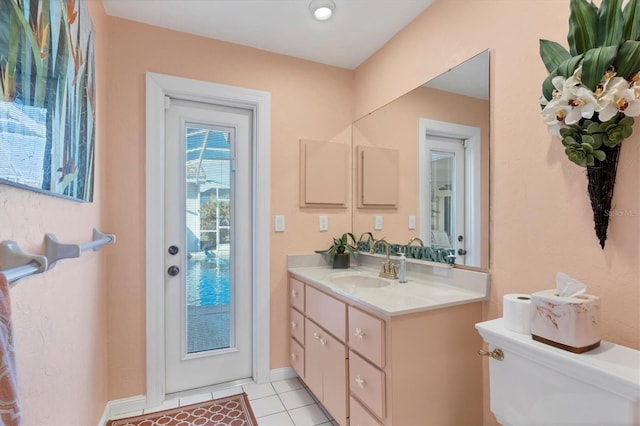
pixel 322 9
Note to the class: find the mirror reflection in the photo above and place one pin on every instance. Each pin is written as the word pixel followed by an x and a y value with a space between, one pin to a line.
pixel 441 133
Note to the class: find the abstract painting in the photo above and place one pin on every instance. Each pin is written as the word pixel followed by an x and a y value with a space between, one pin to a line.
pixel 47 97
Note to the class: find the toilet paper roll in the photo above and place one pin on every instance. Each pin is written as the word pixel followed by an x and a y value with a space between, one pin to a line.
pixel 516 312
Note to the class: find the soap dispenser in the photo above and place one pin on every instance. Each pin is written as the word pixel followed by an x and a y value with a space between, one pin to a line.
pixel 402 269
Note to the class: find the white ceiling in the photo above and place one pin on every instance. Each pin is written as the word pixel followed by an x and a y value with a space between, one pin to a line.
pixel 357 30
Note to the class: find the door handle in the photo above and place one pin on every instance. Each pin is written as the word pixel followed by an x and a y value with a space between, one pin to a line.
pixel 173 250
pixel 173 270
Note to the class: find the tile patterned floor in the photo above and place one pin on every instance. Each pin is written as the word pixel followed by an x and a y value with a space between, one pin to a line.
pixel 283 403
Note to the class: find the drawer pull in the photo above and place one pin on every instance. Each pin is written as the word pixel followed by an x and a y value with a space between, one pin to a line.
pixel 360 381
pixel 316 336
pixel 323 342
pixel 294 357
pixel 294 324
pixel 294 293
pixel 359 333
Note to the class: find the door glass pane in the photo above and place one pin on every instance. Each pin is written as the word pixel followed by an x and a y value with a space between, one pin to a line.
pixel 442 199
pixel 208 220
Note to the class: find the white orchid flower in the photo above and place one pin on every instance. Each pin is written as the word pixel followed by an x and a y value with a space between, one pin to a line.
pixel 554 114
pixel 618 97
pixel 582 102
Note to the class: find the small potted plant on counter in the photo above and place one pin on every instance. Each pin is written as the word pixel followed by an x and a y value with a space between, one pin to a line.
pixel 341 251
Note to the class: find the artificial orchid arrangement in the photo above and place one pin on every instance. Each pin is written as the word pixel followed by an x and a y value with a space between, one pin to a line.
pixel 592 92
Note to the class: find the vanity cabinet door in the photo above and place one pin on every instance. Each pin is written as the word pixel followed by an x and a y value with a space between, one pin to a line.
pixel 326 311
pixel 296 325
pixel 326 370
pixel 297 294
pixel 313 357
pixel 335 379
pixel 359 416
pixel 366 383
pixel 366 336
pixel 296 357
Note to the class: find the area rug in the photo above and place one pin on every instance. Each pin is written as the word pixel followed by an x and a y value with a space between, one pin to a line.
pixel 232 410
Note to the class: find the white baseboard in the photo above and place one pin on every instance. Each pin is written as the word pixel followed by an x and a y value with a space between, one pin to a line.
pixel 282 374
pixel 122 406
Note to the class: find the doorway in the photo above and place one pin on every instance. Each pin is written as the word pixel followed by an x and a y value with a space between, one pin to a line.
pixel 227 116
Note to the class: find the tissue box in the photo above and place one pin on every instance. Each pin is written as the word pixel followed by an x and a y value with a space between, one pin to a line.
pixel 569 323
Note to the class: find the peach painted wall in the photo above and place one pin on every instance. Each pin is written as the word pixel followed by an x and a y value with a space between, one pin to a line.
pixel 541 220
pixel 59 317
pixel 308 101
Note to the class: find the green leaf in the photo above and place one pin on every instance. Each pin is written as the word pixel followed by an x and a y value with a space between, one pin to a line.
pixel 631 14
pixel 547 85
pixel 552 54
pixel 595 64
pixel 627 122
pixel 587 148
pixel 568 66
pixel 597 140
pixel 600 155
pixel 627 61
pixel 583 27
pixel 610 23
pixel 590 160
pixel 588 139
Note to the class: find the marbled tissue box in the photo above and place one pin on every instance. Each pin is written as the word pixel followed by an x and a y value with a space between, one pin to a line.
pixel 569 323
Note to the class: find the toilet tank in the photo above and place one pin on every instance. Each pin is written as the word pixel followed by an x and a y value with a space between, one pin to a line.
pixel 538 384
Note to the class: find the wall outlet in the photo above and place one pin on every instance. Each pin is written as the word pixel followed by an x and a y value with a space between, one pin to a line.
pixel 324 223
pixel 279 224
pixel 378 223
pixel 412 222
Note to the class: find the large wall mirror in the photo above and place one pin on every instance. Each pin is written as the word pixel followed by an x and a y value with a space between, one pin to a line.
pixel 440 131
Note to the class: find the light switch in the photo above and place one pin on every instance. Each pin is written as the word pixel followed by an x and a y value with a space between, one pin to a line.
pixel 324 223
pixel 412 222
pixel 378 223
pixel 279 225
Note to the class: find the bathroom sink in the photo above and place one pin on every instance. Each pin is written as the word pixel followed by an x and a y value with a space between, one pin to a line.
pixel 359 281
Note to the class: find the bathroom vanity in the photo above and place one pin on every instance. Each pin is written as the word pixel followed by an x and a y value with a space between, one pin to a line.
pixel 377 352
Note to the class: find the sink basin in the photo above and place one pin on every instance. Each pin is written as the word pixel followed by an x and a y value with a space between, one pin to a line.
pixel 359 281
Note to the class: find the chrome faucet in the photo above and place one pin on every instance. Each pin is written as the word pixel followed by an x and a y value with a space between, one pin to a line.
pixel 387 269
pixel 416 239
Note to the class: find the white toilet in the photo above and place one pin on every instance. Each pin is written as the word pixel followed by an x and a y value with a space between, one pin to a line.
pixel 537 384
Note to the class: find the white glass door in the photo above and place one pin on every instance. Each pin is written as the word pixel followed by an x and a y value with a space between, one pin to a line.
pixel 446 176
pixel 208 288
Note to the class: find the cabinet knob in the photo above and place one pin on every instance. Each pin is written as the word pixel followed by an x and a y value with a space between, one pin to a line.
pixel 360 381
pixel 316 336
pixel 294 324
pixel 322 342
pixel 359 333
pixel 294 293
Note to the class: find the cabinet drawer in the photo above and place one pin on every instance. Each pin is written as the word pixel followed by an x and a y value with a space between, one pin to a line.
pixel 326 311
pixel 366 336
pixel 296 357
pixel 296 325
pixel 366 383
pixel 297 294
pixel 359 416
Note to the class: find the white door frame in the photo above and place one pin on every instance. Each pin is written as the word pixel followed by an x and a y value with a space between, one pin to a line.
pixel 158 86
pixel 472 177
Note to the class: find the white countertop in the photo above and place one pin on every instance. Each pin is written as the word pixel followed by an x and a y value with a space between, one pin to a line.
pixel 421 292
